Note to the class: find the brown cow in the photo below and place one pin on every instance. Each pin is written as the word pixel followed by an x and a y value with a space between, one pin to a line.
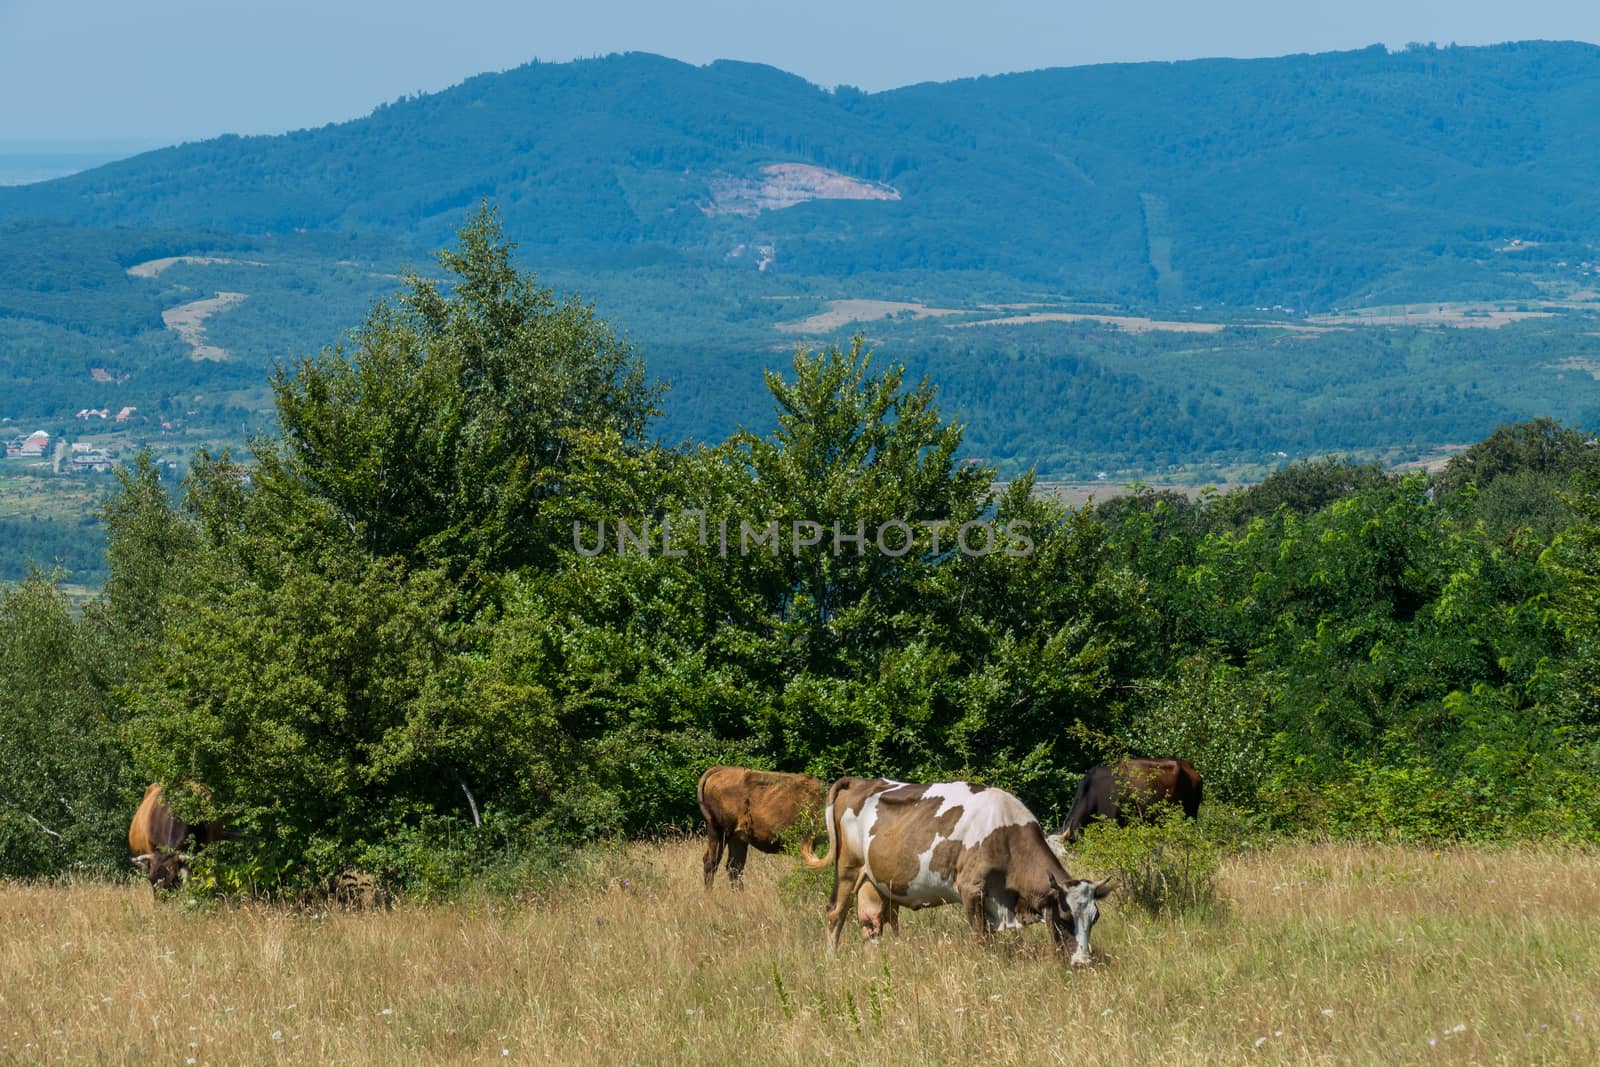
pixel 1133 788
pixel 744 807
pixel 156 837
pixel 952 842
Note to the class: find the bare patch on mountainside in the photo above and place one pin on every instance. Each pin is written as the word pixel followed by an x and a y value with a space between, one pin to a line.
pixel 1126 323
pixel 1584 364
pixel 784 185
pixel 188 322
pixel 843 312
pixel 150 268
pixel 1472 315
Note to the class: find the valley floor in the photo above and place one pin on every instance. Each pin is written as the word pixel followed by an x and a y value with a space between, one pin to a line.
pixel 1326 954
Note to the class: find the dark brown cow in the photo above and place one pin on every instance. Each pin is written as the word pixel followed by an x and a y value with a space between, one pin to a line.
pixel 1133 789
pixel 947 843
pixel 157 836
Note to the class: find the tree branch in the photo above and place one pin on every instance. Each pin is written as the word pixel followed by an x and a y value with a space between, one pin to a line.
pixel 471 802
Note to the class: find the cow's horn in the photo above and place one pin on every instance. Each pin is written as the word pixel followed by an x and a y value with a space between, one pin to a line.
pixel 1052 877
pixel 1105 886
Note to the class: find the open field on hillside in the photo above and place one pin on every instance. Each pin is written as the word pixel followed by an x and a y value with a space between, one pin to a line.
pixel 1326 954
pixel 152 268
pixel 27 488
pixel 844 312
pixel 1128 323
pixel 1487 316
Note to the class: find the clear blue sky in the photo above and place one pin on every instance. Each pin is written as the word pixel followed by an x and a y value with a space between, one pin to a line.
pixel 150 72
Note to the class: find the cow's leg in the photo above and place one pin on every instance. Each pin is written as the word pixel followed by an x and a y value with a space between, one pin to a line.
pixel 977 915
pixel 846 882
pixel 738 850
pixel 713 856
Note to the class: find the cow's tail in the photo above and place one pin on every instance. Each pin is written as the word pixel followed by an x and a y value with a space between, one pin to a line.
pixel 700 795
pixel 812 860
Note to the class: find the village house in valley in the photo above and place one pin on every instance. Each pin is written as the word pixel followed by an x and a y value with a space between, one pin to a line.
pixel 28 446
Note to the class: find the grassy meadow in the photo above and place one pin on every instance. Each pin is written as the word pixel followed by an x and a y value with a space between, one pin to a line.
pixel 1323 954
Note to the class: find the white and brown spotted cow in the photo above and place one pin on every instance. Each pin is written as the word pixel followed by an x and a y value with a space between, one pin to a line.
pixel 947 843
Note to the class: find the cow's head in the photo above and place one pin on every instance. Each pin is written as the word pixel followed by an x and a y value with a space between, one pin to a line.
pixel 166 870
pixel 1077 912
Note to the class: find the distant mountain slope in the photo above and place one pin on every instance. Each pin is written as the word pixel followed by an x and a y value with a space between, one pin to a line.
pixel 1306 180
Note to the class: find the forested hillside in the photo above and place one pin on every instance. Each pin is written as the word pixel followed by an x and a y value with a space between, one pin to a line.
pixel 1308 181
pixel 409 637
pixel 1109 270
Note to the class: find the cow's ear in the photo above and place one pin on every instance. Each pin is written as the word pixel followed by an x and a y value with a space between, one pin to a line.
pixel 1054 886
pixel 1103 889
pixel 144 862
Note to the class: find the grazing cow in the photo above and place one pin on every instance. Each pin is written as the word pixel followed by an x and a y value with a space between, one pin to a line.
pixel 1133 788
pixel 156 837
pixel 743 807
pixel 924 845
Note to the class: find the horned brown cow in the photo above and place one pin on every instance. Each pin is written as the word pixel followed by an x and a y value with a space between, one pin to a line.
pixel 156 837
pixel 1133 789
pixel 951 842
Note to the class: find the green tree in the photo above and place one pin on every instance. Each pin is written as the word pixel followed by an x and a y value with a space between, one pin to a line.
pixel 442 434
pixel 65 784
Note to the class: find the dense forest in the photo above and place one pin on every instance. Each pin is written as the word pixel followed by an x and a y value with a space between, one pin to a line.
pixel 1310 181
pixel 387 641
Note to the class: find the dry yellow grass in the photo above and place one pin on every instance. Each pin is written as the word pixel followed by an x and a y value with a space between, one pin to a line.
pixel 1328 955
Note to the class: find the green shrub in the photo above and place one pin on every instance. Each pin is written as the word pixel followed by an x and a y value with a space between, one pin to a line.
pixel 1234 829
pixel 1213 716
pixel 1164 867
